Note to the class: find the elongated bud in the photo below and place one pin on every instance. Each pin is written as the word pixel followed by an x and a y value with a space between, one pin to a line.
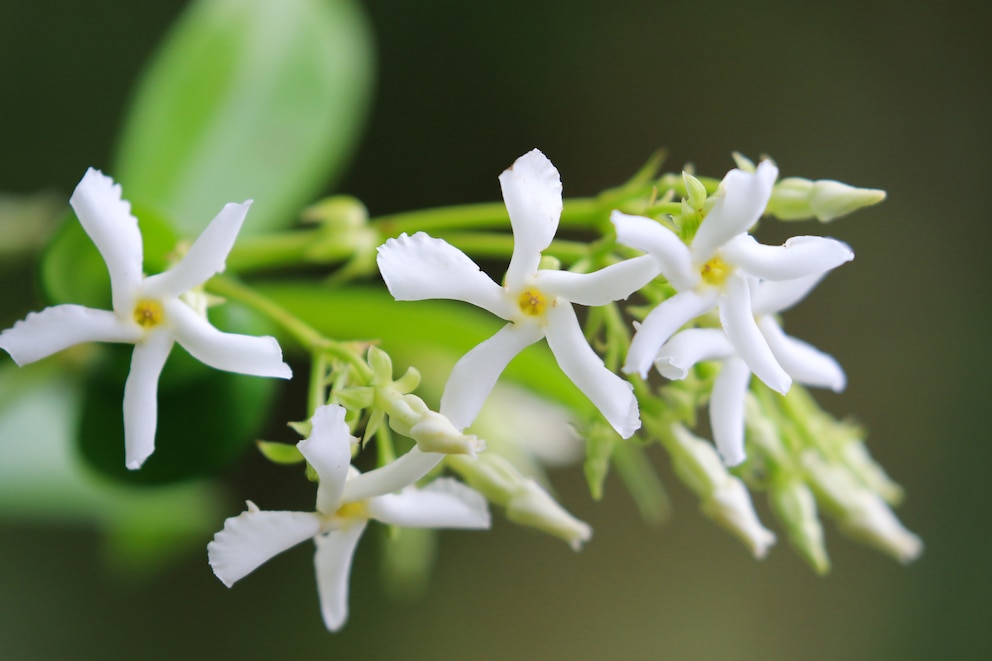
pixel 860 512
pixel 723 497
pixel 525 502
pixel 795 506
pixel 435 433
pixel 795 198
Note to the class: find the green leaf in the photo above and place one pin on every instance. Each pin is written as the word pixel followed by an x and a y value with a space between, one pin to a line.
pixel 42 481
pixel 247 99
pixel 206 418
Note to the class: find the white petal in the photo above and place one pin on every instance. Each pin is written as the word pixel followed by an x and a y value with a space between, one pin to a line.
pixel 613 283
pixel 394 476
pixel 742 331
pixel 419 267
pixel 804 362
pixel 328 451
pixel 141 397
pixel 475 374
pixel 727 410
pixel 253 537
pixel 53 329
pixel 333 564
pixel 661 323
pixel 532 193
pixel 650 236
pixel 686 348
pixel 743 198
pixel 771 296
pixel 613 396
pixel 444 503
pixel 798 257
pixel 108 221
pixel 231 352
pixel 206 256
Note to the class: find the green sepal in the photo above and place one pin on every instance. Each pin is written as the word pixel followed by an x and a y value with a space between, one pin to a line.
pixel 600 444
pixel 280 453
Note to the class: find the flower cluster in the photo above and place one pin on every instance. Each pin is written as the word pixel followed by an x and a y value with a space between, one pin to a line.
pixel 705 314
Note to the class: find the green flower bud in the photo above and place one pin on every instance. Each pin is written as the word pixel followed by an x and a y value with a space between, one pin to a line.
pixel 525 502
pixel 795 506
pixel 795 198
pixel 860 512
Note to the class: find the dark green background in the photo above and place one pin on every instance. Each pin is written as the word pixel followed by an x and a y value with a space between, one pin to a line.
pixel 882 94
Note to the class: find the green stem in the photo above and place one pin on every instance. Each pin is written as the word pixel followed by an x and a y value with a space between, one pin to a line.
pixel 578 212
pixel 307 336
pixel 279 249
pixel 493 244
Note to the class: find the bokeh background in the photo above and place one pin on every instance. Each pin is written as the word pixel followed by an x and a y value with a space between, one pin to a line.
pixel 875 93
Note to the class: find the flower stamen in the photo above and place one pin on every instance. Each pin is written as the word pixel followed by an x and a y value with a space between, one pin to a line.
pixel 355 510
pixel 715 272
pixel 532 302
pixel 148 313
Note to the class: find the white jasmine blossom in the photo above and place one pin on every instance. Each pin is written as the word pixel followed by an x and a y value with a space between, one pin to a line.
pixel 253 537
pixel 802 362
pixel 536 302
pixel 720 268
pixel 149 312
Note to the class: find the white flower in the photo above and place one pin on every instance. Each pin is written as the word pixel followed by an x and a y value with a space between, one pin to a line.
pixel 720 268
pixel 148 312
pixel 803 362
pixel 536 302
pixel 253 537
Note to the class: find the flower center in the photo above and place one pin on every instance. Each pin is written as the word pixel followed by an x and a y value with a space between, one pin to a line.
pixel 148 313
pixel 715 272
pixel 355 510
pixel 532 302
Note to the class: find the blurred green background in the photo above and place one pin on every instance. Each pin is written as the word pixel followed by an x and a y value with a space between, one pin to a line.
pixel 879 94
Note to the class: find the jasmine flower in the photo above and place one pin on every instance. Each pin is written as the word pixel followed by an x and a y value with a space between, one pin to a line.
pixel 720 268
pixel 253 537
pixel 536 302
pixel 148 312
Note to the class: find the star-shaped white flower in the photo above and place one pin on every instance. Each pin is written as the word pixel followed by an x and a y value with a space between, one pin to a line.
pixel 148 311
pixel 720 268
pixel 803 362
pixel 253 537
pixel 536 302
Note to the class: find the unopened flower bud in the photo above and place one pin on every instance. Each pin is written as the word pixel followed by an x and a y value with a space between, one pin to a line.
pixel 525 501
pixel 530 505
pixel 435 433
pixel 795 198
pixel 795 506
pixel 695 191
pixel 860 512
pixel 724 498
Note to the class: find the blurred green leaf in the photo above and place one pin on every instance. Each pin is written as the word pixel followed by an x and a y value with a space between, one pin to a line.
pixel 206 418
pixel 247 99
pixel 42 481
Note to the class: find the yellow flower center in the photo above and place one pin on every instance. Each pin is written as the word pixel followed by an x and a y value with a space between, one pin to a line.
pixel 532 302
pixel 355 510
pixel 715 272
pixel 148 313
